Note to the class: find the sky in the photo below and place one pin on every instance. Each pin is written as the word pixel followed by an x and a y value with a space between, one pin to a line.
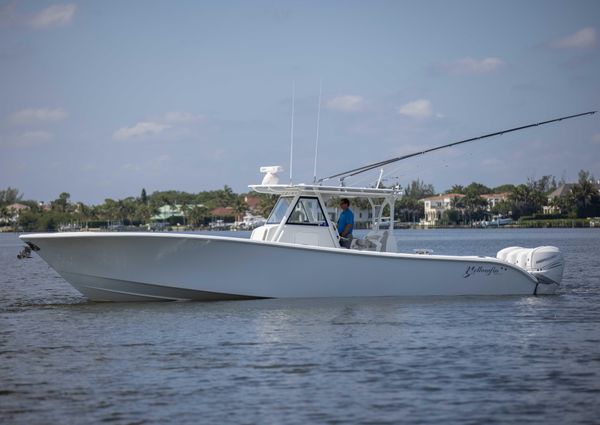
pixel 101 99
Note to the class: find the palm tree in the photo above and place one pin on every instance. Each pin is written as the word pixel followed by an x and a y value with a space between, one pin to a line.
pixel 185 209
pixel 474 206
pixel 585 196
pixel 10 196
pixel 266 203
pixel 409 209
pixel 60 204
pixel 239 208
pixel 526 200
pixel 418 189
pixel 4 215
pixel 144 197
pixel 198 214
pixel 457 188
pixel 110 210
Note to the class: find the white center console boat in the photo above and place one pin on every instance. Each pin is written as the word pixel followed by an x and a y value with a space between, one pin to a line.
pixel 295 254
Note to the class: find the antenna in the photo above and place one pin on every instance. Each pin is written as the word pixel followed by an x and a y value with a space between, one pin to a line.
pixel 379 179
pixel 318 122
pixel 292 132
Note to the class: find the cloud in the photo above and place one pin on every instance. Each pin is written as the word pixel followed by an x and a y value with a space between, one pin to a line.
pixel 36 116
pixel 179 122
pixel 141 129
pixel 348 103
pixel 469 66
pixel 416 109
pixel 582 39
pixel 57 15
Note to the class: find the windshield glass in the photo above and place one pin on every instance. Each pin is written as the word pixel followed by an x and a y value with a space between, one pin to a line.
pixel 279 210
pixel 308 212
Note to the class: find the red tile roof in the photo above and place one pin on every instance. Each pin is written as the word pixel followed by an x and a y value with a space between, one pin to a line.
pixel 223 212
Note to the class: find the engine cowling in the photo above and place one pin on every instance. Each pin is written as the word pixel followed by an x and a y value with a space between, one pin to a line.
pixel 546 263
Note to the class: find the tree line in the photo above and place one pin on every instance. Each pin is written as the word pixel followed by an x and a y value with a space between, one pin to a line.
pixel 196 208
pixel 524 200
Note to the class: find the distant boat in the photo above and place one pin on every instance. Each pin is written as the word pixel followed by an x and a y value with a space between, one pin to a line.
pixel 250 222
pixel 501 222
pixel 69 227
pixel 497 222
pixel 219 225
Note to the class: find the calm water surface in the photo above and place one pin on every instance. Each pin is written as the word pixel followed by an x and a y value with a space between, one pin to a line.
pixel 455 360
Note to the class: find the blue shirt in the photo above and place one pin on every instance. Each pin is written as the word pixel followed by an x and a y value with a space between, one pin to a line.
pixel 346 217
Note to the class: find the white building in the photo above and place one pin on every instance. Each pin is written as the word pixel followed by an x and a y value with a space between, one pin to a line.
pixel 436 205
pixel 562 191
pixel 14 212
pixel 165 212
pixel 494 199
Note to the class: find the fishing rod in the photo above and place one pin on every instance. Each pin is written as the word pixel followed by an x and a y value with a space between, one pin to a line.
pixel 369 167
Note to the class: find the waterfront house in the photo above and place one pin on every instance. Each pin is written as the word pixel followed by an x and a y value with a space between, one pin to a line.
pixel 560 192
pixel 494 199
pixel 14 212
pixel 165 212
pixel 252 202
pixel 225 213
pixel 171 213
pixel 436 205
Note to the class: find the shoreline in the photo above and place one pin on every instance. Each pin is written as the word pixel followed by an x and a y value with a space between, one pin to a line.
pixel 412 227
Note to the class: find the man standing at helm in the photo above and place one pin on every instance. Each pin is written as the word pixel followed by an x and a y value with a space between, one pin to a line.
pixel 345 224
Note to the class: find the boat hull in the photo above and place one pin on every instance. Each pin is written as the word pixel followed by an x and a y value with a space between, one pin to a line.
pixel 162 266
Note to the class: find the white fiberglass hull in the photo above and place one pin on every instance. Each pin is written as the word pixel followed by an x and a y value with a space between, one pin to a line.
pixel 161 266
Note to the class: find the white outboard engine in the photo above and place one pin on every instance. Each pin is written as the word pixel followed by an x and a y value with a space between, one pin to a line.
pixel 546 263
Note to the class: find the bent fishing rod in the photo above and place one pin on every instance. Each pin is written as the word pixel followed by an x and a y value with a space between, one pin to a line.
pixel 369 167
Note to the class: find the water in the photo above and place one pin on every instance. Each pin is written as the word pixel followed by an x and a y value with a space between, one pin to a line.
pixel 456 360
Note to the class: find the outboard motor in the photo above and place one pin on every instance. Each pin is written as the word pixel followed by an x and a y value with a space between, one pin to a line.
pixel 503 253
pixel 546 263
